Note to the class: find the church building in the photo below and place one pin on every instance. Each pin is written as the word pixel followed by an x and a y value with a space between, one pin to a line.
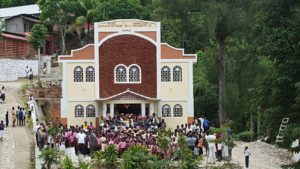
pixel 127 70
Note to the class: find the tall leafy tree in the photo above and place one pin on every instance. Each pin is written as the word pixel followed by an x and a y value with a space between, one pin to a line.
pixel 37 40
pixel 12 3
pixel 278 39
pixel 60 14
pixel 223 19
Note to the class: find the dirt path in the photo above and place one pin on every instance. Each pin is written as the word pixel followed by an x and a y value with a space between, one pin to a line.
pixel 15 148
pixel 263 155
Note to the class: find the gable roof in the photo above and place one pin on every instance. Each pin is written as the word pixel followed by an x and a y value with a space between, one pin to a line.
pixel 12 11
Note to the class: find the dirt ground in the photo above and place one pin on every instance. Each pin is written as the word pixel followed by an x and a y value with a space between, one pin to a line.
pixel 263 155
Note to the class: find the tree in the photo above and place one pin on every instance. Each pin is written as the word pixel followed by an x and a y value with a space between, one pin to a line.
pixel 13 3
pixel 37 40
pixel 223 21
pixel 49 156
pixel 87 17
pixel 118 9
pixel 60 14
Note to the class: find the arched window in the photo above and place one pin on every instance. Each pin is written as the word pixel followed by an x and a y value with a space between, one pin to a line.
pixel 177 110
pixel 165 74
pixel 79 111
pixel 177 74
pixel 120 74
pixel 90 111
pixel 134 74
pixel 166 111
pixel 78 74
pixel 90 74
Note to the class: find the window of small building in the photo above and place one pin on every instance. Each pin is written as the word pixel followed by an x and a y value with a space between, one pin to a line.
pixel 78 74
pixel 166 110
pixel 165 74
pixel 79 111
pixel 90 74
pixel 177 110
pixel 134 74
pixel 90 111
pixel 120 73
pixel 177 74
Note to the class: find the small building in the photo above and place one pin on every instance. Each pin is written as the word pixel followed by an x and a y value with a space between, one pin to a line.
pixel 16 26
pixel 127 70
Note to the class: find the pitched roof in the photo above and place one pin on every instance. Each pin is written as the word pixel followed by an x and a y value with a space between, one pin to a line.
pixel 14 35
pixel 12 11
pixel 25 16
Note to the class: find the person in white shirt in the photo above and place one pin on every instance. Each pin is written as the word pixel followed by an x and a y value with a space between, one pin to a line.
pixel 81 141
pixel 35 128
pixel 247 153
pixel 27 71
pixel 201 120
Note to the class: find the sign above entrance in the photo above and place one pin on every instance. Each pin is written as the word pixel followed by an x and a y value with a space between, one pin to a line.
pixel 126 25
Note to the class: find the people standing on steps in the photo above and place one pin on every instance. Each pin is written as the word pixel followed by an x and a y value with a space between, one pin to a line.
pixel 247 153
pixel 1 130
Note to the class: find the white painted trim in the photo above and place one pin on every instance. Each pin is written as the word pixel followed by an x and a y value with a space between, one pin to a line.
pixel 119 20
pixel 126 33
pixel 74 50
pixel 191 91
pixel 63 108
pixel 96 56
pixel 77 61
pixel 80 100
pixel 65 81
pixel 174 100
pixel 128 91
pixel 140 69
pixel 97 109
pixel 178 60
pixel 127 68
pixel 182 50
pixel 158 60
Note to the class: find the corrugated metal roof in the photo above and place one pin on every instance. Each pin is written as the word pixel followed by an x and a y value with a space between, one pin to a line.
pixel 12 11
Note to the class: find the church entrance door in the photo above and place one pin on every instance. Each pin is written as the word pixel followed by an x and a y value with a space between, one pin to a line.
pixel 134 109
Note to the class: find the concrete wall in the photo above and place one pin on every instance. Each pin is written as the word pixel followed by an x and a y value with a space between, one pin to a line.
pixel 13 69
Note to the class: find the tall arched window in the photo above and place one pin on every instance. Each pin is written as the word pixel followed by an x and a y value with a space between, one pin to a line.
pixel 90 111
pixel 134 73
pixel 165 74
pixel 120 73
pixel 177 74
pixel 166 110
pixel 79 111
pixel 78 74
pixel 177 110
pixel 90 74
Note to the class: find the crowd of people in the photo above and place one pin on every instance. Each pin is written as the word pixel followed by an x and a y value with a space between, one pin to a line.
pixel 125 130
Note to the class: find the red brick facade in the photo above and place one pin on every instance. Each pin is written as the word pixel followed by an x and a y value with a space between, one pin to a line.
pixel 127 50
pixel 15 48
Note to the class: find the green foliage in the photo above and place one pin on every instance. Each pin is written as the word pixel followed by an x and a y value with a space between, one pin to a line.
pixel 13 3
pixel 67 163
pixel 164 139
pixel 107 158
pixel 118 9
pixel 244 136
pixel 135 157
pixel 186 156
pixel 49 156
pixel 38 35
pixel 292 166
pixel 84 165
pixel 228 166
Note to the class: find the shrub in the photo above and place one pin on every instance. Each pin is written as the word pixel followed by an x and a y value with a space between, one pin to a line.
pixel 109 155
pixel 244 136
pixel 49 156
pixel 136 157
pixel 67 163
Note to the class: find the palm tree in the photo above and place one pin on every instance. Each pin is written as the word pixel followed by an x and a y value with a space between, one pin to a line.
pixel 87 17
